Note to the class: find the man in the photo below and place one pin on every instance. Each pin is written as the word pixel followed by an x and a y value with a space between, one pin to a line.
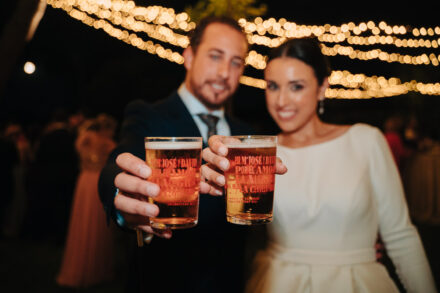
pixel 210 256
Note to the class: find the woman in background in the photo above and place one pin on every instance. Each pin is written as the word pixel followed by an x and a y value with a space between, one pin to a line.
pixel 88 255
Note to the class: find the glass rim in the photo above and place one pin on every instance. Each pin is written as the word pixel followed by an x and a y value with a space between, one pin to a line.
pixel 174 138
pixel 258 136
pixel 241 141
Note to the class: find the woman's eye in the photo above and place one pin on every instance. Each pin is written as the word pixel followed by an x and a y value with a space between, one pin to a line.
pixel 272 86
pixel 296 87
pixel 215 57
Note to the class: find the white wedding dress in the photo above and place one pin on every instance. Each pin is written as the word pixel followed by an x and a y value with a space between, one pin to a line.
pixel 328 210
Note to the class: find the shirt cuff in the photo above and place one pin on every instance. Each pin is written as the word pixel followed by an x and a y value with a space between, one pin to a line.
pixel 119 218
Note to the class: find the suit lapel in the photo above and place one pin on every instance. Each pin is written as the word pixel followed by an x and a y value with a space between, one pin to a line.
pixel 176 117
pixel 238 128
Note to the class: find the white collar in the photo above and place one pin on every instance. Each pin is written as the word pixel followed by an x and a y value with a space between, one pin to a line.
pixel 194 106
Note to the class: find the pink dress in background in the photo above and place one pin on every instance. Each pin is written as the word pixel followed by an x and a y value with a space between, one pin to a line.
pixel 88 255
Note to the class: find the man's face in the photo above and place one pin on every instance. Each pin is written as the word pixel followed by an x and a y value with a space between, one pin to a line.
pixel 214 70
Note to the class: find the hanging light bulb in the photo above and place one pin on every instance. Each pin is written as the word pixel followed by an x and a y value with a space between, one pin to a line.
pixel 29 67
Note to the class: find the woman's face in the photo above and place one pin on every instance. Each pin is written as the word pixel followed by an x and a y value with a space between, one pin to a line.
pixel 292 93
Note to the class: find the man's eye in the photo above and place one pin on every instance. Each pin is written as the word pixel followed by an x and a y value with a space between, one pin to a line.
pixel 237 63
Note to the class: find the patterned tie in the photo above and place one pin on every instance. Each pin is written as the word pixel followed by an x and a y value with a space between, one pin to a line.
pixel 211 122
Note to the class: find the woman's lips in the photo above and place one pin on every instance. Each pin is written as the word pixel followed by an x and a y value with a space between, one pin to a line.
pixel 286 114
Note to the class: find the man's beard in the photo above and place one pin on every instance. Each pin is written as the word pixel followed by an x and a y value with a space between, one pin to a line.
pixel 198 93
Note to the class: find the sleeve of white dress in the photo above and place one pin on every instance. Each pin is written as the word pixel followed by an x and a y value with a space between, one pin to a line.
pixel 401 238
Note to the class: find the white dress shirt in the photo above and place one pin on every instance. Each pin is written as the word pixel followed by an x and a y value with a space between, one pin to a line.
pixel 195 107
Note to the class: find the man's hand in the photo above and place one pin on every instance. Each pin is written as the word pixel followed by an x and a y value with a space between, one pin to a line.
pixel 134 190
pixel 213 179
pixel 380 250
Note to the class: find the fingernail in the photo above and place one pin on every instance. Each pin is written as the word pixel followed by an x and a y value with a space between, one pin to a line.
pixel 222 150
pixel 153 190
pixel 224 165
pixel 218 192
pixel 151 210
pixel 143 171
pixel 220 180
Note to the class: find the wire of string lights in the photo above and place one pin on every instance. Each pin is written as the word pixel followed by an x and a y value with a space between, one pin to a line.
pixel 130 23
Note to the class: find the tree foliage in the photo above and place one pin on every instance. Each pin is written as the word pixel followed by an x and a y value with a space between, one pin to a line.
pixel 233 8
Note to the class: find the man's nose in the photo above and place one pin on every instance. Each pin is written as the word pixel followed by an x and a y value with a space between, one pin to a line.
pixel 223 70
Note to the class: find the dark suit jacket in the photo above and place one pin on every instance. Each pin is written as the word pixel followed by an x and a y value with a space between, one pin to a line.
pixel 206 258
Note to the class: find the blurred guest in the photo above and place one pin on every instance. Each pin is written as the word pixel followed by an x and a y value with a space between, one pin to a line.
pixel 16 133
pixel 88 255
pixel 76 118
pixel 421 177
pixel 411 131
pixel 342 188
pixel 51 181
pixel 9 158
pixel 16 212
pixel 393 129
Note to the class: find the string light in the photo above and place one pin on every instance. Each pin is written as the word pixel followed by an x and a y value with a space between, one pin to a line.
pixel 349 51
pixel 29 67
pixel 362 86
pixel 119 8
pixel 381 55
pixel 127 37
pixel 133 21
pixel 132 17
pixel 258 39
pixel 283 28
pixel 254 82
pixel 158 23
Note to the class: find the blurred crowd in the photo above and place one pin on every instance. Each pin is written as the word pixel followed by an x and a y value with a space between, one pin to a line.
pixel 416 150
pixel 39 167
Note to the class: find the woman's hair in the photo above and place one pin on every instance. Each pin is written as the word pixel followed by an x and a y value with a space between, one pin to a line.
pixel 106 121
pixel 306 49
pixel 101 122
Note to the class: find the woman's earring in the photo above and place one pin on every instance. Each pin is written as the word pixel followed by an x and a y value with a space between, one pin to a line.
pixel 321 107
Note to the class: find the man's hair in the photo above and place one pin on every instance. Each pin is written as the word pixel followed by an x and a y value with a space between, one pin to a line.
pixel 196 35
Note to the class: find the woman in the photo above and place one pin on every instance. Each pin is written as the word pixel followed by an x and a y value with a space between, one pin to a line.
pixel 89 251
pixel 342 188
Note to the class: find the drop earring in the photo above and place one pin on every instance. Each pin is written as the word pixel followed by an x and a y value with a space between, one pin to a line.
pixel 321 107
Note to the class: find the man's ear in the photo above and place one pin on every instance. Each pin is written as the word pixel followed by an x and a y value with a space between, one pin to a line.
pixel 188 56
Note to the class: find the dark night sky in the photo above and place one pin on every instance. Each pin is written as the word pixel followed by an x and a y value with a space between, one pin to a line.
pixel 78 66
